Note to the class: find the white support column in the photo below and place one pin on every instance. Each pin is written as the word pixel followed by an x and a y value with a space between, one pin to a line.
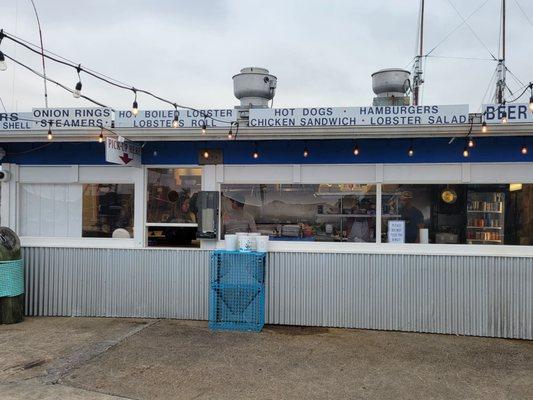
pixel 378 212
pixel 139 213
pixel 210 182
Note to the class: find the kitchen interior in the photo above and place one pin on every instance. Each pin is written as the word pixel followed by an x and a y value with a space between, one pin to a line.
pixel 453 214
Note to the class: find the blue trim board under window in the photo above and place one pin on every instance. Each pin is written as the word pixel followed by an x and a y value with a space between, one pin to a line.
pixel 337 151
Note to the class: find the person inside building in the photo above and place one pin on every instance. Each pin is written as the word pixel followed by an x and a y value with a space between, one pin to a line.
pixel 181 208
pixel 413 217
pixel 235 219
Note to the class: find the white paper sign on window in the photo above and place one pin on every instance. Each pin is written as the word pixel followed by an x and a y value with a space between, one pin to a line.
pixel 396 232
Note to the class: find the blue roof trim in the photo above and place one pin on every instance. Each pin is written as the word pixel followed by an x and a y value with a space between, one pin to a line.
pixel 337 151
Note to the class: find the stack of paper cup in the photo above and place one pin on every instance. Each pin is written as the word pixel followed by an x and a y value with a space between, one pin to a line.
pixel 262 244
pixel 231 242
pixel 244 241
pixel 253 240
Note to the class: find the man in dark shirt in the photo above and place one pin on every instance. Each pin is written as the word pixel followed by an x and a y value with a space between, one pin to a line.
pixel 413 217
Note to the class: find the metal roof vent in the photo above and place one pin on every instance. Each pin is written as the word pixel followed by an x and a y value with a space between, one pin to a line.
pixel 254 87
pixel 391 86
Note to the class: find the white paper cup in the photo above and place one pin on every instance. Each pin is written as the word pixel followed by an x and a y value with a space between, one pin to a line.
pixel 245 242
pixel 253 240
pixel 262 243
pixel 231 242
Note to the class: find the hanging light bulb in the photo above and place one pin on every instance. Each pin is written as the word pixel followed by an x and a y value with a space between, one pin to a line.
pixel 155 153
pixel 135 105
pixel 504 117
pixel 50 136
pixel 135 108
pixel 306 153
pixel 206 154
pixel 101 137
pixel 77 92
pixel 176 121
pixel 3 64
pixel 471 143
pixel 204 128
pixel 484 128
pixel 411 152
pixel 523 150
pixel 230 134
pixel 356 150
pixel 466 153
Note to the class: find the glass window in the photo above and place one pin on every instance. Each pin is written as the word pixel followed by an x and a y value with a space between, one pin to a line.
pixel 50 210
pixel 73 210
pixel 108 210
pixel 171 208
pixel 328 213
pixel 457 214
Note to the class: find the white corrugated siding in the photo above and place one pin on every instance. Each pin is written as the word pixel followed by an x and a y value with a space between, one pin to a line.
pixel 468 295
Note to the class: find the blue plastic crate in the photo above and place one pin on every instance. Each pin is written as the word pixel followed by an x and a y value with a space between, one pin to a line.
pixel 237 292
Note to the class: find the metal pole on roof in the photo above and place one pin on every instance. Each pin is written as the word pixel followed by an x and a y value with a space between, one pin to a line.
pixel 417 72
pixel 501 68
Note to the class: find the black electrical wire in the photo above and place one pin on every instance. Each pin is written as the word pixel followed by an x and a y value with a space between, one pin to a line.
pixel 3 105
pixel 55 82
pixel 41 52
pixel 30 150
pixel 528 87
pixel 472 30
pixel 523 12
pixel 457 27
pixel 65 59
pixel 109 81
pixel 461 58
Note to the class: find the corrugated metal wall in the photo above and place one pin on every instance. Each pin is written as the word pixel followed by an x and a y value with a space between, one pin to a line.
pixel 468 295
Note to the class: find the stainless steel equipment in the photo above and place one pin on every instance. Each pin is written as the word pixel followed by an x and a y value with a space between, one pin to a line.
pixel 254 87
pixel 391 86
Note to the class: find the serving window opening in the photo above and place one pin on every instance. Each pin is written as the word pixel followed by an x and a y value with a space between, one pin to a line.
pixel 171 210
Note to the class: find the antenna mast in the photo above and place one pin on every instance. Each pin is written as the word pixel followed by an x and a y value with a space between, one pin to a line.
pixel 417 71
pixel 501 68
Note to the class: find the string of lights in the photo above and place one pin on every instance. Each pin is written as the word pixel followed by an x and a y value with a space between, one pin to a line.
pixel 78 68
pixel 77 93
pixel 54 81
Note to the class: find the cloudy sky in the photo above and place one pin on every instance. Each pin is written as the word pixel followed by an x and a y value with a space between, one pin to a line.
pixel 322 51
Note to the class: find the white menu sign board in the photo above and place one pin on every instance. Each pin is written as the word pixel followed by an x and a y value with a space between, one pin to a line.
pixel 164 118
pixel 396 232
pixel 516 113
pixel 364 116
pixel 15 121
pixel 71 118
pixel 122 153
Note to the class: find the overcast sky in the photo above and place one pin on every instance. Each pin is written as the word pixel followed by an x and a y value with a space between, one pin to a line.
pixel 322 52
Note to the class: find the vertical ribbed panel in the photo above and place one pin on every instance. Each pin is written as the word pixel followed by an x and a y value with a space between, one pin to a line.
pixel 467 295
pixel 117 283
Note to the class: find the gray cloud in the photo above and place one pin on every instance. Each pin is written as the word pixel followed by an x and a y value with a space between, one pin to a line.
pixel 323 52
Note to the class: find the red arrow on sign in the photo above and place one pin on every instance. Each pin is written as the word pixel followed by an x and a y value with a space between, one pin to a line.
pixel 125 158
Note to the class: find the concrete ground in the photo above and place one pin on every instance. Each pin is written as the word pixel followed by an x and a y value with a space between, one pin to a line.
pixel 104 359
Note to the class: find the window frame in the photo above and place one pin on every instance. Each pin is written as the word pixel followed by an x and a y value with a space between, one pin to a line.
pixel 147 224
pixel 78 175
pixel 380 174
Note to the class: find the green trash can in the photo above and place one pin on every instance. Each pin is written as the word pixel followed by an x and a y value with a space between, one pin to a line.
pixel 11 278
